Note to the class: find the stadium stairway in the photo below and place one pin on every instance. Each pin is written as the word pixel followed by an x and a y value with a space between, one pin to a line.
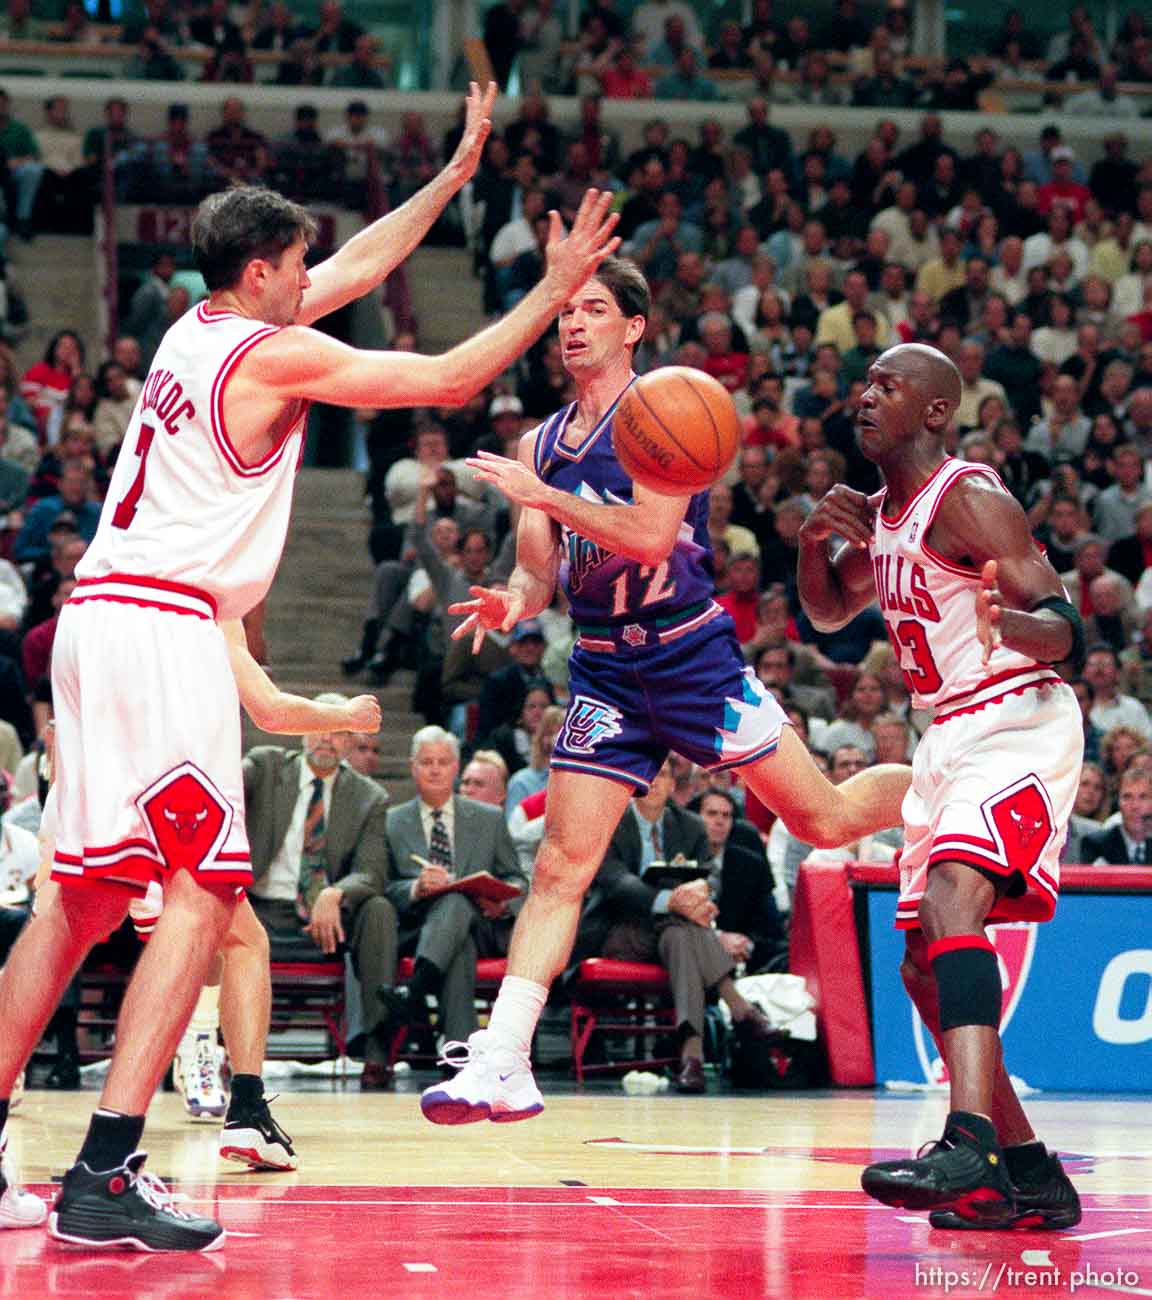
pixel 316 608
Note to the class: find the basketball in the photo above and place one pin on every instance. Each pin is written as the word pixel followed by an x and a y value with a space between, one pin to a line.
pixel 676 430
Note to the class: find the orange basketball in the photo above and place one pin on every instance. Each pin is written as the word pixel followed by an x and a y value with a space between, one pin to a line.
pixel 676 430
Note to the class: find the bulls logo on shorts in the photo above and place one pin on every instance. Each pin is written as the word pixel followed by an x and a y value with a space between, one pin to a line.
pixel 189 817
pixel 1023 821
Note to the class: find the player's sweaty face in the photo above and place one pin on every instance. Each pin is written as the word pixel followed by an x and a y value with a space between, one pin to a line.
pixel 592 328
pixel 286 284
pixel 891 411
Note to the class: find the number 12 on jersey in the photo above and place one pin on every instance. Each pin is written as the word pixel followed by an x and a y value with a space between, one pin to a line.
pixel 648 581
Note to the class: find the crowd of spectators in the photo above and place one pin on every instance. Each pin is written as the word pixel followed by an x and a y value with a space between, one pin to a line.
pixel 782 267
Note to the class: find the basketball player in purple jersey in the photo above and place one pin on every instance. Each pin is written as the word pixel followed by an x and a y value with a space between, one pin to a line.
pixel 656 667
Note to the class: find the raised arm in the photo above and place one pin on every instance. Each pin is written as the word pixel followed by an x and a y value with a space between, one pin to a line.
pixel 370 256
pixel 299 362
pixel 834 588
pixel 1023 604
pixel 644 531
pixel 274 710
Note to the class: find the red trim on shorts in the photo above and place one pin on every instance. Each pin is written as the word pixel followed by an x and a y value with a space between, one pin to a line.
pixel 958 942
pixel 216 411
pixel 233 857
pixel 1006 675
pixel 148 584
pixel 970 860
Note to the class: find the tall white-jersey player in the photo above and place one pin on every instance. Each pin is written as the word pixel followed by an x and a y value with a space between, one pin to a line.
pixel 148 739
pixel 978 617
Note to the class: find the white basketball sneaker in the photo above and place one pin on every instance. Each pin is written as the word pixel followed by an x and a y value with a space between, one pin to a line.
pixel 18 1208
pixel 197 1072
pixel 492 1082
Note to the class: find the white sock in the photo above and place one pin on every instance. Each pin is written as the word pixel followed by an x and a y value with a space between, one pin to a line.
pixel 206 1015
pixel 515 1012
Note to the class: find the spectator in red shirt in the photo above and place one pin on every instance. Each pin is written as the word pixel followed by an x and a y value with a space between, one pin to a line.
pixel 1062 190
pixel 722 362
pixel 623 79
pixel 742 598
pixel 45 385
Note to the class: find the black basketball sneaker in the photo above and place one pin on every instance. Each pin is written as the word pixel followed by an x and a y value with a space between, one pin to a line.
pixel 1044 1199
pixel 129 1209
pixel 252 1137
pixel 964 1171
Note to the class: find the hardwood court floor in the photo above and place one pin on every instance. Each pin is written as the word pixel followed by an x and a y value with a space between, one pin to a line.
pixel 602 1196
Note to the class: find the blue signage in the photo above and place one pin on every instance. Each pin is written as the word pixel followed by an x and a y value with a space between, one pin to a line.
pixel 1077 1011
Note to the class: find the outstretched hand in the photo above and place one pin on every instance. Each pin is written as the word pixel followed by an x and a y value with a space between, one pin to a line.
pixel 477 127
pixel 989 610
pixel 490 610
pixel 573 258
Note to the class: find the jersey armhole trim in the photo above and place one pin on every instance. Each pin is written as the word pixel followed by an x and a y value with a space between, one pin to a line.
pixel 941 561
pixel 216 407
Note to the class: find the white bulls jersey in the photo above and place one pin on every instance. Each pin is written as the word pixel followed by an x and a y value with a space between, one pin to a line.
pixel 182 508
pixel 929 603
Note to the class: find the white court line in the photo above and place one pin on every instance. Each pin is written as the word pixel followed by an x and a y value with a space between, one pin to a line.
pixel 1115 1232
pixel 604 1200
pixel 224 1202
pixel 420 1268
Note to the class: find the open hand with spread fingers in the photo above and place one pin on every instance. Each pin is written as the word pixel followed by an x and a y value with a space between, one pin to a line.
pixel 573 258
pixel 989 610
pixel 490 610
pixel 517 481
pixel 842 512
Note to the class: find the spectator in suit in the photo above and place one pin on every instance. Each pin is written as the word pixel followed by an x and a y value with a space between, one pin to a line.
pixel 629 920
pixel 431 840
pixel 319 860
pixel 1131 841
pixel 747 922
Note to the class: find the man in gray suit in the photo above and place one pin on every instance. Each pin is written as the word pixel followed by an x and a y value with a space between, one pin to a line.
pixel 319 862
pixel 433 839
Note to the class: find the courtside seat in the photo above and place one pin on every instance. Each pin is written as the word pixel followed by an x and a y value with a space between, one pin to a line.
pixel 414 1043
pixel 309 995
pixel 619 998
pixel 489 972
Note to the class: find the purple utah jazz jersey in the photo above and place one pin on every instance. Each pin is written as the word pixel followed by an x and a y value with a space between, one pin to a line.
pixel 603 588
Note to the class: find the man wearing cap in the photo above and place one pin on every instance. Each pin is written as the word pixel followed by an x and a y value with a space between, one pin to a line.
pixel 1062 189
pixel 503 695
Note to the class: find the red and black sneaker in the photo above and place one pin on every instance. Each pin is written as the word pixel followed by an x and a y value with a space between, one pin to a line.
pixel 964 1171
pixel 128 1209
pixel 1044 1200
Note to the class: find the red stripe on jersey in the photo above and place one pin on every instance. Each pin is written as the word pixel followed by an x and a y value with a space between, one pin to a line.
pixel 996 699
pixel 899 519
pixel 216 404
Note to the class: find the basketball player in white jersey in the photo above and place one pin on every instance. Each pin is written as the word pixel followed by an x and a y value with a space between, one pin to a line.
pixel 978 616
pixel 148 734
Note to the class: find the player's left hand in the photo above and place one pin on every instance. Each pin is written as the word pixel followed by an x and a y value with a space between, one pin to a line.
pixel 989 610
pixel 325 925
pixel 512 477
pixel 477 126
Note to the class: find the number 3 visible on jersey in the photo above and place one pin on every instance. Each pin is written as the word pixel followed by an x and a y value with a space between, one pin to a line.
pixel 125 512
pixel 925 679
pixel 658 588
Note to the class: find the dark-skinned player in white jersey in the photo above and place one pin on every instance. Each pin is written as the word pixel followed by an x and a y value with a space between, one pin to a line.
pixel 978 616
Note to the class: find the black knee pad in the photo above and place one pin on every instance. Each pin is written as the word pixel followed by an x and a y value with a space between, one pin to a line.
pixel 967 981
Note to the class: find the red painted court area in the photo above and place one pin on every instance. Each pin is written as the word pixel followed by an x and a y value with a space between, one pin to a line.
pixel 303 1242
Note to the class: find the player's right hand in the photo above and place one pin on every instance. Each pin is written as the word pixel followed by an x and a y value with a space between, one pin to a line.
pixel 431 878
pixel 844 512
pixel 364 714
pixel 490 610
pixel 573 258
